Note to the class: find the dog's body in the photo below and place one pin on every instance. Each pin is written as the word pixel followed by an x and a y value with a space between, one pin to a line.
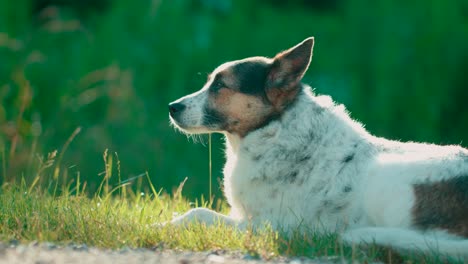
pixel 296 160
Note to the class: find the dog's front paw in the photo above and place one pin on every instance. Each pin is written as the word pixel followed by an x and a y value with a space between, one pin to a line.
pixel 177 221
pixel 203 216
pixel 182 220
pixel 197 215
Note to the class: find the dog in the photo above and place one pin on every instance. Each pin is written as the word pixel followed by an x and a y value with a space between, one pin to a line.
pixel 297 161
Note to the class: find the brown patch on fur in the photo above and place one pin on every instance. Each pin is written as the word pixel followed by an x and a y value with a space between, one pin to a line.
pixel 442 205
pixel 243 112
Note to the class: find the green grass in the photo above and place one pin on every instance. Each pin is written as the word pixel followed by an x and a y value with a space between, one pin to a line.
pixel 55 206
pixel 129 220
pixel 122 217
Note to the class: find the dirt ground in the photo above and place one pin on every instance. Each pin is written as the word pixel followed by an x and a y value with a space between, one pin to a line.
pixel 34 253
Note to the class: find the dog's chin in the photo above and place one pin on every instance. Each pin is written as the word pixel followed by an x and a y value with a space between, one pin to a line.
pixel 194 130
pixel 191 130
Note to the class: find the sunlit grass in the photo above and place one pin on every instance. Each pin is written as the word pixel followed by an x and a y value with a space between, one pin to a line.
pixel 56 207
pixel 118 218
pixel 129 220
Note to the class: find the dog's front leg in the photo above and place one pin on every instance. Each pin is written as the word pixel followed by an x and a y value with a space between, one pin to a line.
pixel 204 216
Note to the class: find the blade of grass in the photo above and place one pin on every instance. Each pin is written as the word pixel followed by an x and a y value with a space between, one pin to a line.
pixel 4 169
pixel 210 166
pixel 153 190
pixel 123 192
pixel 65 147
pixel 105 181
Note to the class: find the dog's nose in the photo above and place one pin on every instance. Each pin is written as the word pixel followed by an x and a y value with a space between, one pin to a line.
pixel 176 108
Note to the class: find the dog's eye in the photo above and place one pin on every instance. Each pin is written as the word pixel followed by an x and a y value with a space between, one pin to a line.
pixel 218 84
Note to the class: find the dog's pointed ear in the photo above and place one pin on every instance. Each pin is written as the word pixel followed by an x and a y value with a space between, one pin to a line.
pixel 287 70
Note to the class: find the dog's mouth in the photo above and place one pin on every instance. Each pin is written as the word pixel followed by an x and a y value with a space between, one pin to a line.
pixel 193 129
pixel 188 121
pixel 186 128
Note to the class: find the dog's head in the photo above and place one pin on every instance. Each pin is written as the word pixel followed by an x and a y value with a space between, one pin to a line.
pixel 243 95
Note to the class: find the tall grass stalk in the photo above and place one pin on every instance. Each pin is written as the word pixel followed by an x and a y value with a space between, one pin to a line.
pixel 210 167
pixel 104 186
pixel 64 149
pixel 4 169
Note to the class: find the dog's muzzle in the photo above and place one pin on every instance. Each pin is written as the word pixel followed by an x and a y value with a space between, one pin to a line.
pixel 175 109
pixel 187 113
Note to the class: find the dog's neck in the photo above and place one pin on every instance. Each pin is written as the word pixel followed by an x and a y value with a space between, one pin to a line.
pixel 232 143
pixel 317 116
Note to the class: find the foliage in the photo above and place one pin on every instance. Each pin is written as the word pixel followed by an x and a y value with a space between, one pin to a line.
pixel 399 67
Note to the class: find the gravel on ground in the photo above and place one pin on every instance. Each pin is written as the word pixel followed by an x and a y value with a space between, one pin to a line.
pixel 46 253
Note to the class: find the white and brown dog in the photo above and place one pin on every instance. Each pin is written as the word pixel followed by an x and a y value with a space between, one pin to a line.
pixel 297 160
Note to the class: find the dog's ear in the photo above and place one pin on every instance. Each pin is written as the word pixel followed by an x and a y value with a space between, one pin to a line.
pixel 287 70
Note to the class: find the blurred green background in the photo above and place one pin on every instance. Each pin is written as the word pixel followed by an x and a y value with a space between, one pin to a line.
pixel 111 67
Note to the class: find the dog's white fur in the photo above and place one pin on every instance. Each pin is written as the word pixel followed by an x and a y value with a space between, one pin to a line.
pixel 294 174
